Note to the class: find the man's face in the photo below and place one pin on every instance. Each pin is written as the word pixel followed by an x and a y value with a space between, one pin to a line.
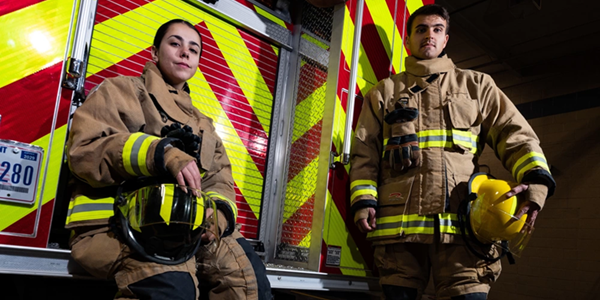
pixel 428 37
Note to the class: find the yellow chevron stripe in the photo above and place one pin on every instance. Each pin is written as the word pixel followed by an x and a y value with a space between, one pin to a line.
pixel 13 213
pixel 387 29
pixel 276 50
pixel 269 16
pixel 244 69
pixel 122 36
pixel 305 242
pixel 306 115
pixel 336 234
pixel 246 175
pixel 413 5
pixel 365 75
pixel 300 188
pixel 34 38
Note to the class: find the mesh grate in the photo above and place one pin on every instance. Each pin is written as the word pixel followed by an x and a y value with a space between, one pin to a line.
pixel 234 85
pixel 295 238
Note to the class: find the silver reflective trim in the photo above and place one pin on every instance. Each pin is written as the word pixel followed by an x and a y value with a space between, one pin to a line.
pixel 135 149
pixel 90 207
pixel 363 187
pixel 528 161
pixel 433 138
pixel 405 225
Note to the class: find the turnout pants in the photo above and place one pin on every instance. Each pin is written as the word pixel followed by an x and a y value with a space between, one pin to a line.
pixel 101 254
pixel 405 268
pixel 233 271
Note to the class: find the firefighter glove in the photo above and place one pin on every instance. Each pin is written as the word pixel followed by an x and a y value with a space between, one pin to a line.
pixel 403 152
pixel 186 134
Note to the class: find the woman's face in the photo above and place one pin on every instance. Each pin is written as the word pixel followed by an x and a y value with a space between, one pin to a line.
pixel 178 55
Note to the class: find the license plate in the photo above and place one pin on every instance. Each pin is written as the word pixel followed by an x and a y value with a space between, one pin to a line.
pixel 19 171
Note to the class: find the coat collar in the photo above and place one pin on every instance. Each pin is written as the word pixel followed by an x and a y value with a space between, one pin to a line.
pixel 177 104
pixel 425 67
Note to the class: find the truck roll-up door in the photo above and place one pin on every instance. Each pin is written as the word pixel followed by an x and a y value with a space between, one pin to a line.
pixel 235 83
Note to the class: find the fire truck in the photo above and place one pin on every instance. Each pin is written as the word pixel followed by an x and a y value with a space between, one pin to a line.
pixel 282 80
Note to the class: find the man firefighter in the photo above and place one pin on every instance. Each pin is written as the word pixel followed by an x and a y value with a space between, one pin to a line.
pixel 417 143
pixel 130 129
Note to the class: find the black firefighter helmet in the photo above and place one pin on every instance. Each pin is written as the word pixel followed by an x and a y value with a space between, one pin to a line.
pixel 160 221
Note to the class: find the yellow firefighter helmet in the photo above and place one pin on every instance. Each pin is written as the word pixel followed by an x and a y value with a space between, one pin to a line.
pixel 492 214
pixel 160 221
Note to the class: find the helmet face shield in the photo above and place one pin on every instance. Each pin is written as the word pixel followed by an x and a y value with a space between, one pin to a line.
pixel 492 224
pixel 162 222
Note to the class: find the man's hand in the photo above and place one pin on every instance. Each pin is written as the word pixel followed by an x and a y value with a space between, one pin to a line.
pixel 367 224
pixel 190 176
pixel 527 206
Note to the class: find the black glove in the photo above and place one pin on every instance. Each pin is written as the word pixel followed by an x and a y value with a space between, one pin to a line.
pixel 186 134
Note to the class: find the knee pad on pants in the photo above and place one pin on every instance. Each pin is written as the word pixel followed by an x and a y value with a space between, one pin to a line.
pixel 393 292
pixel 473 296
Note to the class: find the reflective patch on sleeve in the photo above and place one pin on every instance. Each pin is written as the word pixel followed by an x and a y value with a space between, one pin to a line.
pixel 135 152
pixel 528 162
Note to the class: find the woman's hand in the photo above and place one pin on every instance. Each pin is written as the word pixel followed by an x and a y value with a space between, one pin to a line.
pixel 190 176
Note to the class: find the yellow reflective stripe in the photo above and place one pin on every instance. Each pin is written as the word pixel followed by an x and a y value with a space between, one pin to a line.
pixel 33 38
pixel 388 29
pixel 83 208
pixel 335 232
pixel 366 76
pixel 363 192
pixel 527 162
pixel 135 152
pixel 231 203
pixel 269 16
pixel 449 223
pixel 248 178
pixel 300 189
pixel 200 212
pixel 166 207
pixel 315 41
pixel 413 5
pixel 440 138
pixel 415 224
pixel 244 69
pixel 309 117
pixel 122 36
pixel 362 182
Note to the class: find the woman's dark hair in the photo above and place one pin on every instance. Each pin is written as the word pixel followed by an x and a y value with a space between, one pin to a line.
pixel 428 10
pixel 162 30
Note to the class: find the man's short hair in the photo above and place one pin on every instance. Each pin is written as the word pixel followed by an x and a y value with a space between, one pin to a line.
pixel 428 10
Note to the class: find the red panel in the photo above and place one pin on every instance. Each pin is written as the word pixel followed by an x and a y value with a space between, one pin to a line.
pixel 304 150
pixel 41 239
pixel 401 19
pixel 8 6
pixel 223 83
pixel 312 78
pixel 264 57
pixel 373 44
pixel 245 216
pixel 28 105
pixel 109 9
pixel 131 66
pixel 297 226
